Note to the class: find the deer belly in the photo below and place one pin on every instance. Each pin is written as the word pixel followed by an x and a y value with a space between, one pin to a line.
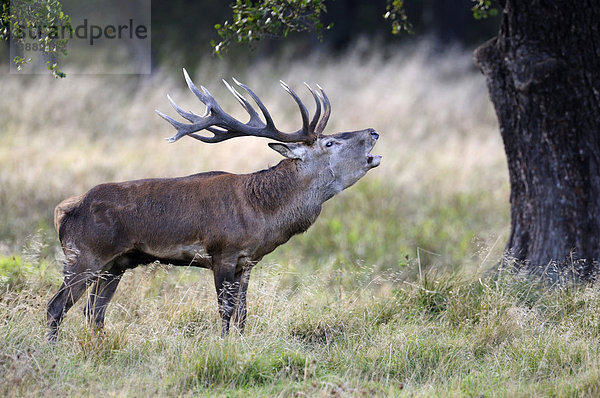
pixel 194 252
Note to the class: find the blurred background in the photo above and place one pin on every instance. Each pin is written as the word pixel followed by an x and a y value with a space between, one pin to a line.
pixel 439 198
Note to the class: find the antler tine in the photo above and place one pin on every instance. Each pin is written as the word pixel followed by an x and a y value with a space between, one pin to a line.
pixel 191 116
pixel 254 118
pixel 303 111
pixel 195 89
pixel 315 118
pixel 263 108
pixel 182 128
pixel 326 112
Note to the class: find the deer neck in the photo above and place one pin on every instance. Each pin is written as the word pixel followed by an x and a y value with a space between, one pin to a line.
pixel 289 195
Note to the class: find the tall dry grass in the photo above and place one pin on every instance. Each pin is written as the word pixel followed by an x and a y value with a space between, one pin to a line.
pixel 439 336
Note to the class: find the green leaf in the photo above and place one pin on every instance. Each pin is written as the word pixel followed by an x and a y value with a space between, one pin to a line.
pixel 42 17
pixel 274 18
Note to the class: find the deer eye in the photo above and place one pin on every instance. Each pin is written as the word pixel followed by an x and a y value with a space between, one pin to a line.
pixel 329 144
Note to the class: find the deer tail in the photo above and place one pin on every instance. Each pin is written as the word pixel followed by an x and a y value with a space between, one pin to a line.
pixel 64 208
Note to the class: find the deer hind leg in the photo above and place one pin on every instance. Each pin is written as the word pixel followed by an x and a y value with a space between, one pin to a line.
pixel 79 273
pixel 102 291
pixel 70 291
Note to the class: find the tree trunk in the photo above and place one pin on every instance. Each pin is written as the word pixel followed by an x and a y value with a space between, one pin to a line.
pixel 543 72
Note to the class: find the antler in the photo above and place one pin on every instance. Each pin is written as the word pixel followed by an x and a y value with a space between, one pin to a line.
pixel 223 126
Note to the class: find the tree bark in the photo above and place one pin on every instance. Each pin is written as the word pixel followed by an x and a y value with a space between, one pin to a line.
pixel 542 72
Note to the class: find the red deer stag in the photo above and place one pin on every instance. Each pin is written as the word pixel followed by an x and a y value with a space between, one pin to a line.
pixel 221 221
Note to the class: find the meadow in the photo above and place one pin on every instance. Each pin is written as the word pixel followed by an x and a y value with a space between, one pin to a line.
pixel 390 293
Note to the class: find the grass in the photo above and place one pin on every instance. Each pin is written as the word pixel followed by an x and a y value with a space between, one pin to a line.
pixel 390 335
pixel 387 294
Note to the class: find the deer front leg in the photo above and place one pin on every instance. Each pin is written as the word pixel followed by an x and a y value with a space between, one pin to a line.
pixel 242 277
pixel 227 288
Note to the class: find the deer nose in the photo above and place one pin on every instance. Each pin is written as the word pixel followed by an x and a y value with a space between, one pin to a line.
pixel 374 134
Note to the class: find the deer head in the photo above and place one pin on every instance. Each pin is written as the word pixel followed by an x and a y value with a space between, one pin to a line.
pixel 337 161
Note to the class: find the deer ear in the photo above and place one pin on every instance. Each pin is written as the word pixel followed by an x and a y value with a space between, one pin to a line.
pixel 290 151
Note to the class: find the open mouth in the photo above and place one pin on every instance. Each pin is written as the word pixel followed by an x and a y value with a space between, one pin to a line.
pixel 373 160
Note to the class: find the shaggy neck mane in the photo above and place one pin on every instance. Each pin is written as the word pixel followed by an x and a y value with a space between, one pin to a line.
pixel 286 196
pixel 276 187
